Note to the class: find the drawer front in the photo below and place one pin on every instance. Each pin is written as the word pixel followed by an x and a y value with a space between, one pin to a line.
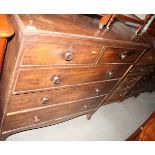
pixel 34 117
pixel 44 53
pixel 119 55
pixel 60 95
pixel 141 69
pixel 147 58
pixel 84 106
pixel 124 87
pixel 55 77
pixel 49 114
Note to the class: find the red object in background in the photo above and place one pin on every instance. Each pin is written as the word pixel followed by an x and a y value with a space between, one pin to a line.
pixel 6 30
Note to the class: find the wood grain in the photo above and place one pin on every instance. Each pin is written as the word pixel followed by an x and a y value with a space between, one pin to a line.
pixel 45 53
pixel 28 118
pixel 119 55
pixel 35 68
pixel 43 78
pixel 66 94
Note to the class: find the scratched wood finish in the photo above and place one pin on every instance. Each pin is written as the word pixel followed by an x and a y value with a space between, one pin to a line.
pixel 6 31
pixel 146 132
pixel 37 53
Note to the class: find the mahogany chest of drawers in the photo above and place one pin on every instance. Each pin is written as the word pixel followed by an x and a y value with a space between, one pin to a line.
pixel 58 67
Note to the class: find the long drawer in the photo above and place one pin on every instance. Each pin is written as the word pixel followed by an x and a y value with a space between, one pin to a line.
pixel 46 53
pixel 124 87
pixel 32 79
pixel 48 114
pixel 60 95
pixel 119 55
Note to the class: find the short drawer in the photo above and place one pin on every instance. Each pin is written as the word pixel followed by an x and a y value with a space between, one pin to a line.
pixel 141 69
pixel 147 58
pixel 60 95
pixel 45 53
pixel 119 55
pixel 124 87
pixel 55 77
pixel 48 114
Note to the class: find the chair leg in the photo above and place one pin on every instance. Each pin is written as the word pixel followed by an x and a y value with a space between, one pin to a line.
pixel 140 28
pixel 104 20
pixel 111 20
pixel 88 116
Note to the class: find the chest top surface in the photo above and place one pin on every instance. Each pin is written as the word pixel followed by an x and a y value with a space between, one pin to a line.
pixel 77 26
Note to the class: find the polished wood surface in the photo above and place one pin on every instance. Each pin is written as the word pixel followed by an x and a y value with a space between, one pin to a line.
pixel 47 53
pixel 146 132
pixel 29 79
pixel 78 92
pixel 46 114
pixel 119 55
pixel 104 20
pixel 6 30
pixel 3 42
pixel 108 19
pixel 147 58
pixel 76 26
pixel 65 69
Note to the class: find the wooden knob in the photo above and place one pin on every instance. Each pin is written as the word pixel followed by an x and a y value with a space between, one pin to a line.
pixel 44 100
pixel 121 95
pixel 97 90
pixel 56 79
pixel 141 69
pixel 123 56
pixel 85 106
pixel 110 74
pixel 36 120
pixel 69 56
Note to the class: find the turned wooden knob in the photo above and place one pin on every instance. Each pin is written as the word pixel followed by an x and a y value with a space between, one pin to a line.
pixel 110 74
pixel 85 106
pixel 97 90
pixel 141 69
pixel 69 56
pixel 56 79
pixel 36 119
pixel 44 100
pixel 123 55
